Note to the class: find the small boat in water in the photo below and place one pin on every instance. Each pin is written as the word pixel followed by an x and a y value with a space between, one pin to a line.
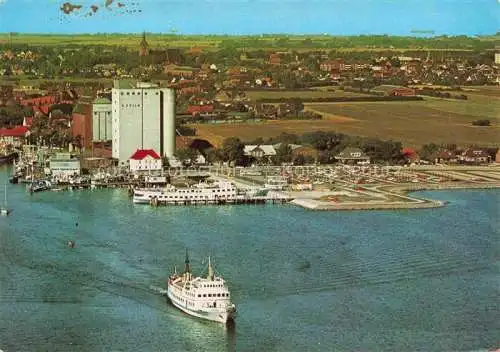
pixel 8 158
pixel 14 179
pixel 39 185
pixel 4 210
pixel 203 297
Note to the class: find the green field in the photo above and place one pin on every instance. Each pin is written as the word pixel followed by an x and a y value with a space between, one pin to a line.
pixel 259 42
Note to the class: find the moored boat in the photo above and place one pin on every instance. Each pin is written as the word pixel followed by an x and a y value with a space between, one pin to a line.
pixel 39 185
pixel 218 192
pixel 8 158
pixel 203 297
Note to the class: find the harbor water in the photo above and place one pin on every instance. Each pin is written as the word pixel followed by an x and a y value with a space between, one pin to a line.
pixel 406 280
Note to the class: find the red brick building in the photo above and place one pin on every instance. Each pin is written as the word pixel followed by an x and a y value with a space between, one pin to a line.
pixel 199 109
pixel 40 101
pixel 81 124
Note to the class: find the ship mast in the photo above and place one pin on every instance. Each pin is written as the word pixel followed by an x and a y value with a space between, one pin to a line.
pixel 210 275
pixel 187 268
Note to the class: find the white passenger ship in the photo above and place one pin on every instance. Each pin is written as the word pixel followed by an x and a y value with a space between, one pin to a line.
pixel 203 297
pixel 220 191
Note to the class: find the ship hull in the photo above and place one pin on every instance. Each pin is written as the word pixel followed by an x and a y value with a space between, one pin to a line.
pixel 214 314
pixel 7 159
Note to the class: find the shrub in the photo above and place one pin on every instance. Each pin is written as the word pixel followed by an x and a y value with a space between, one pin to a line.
pixel 481 123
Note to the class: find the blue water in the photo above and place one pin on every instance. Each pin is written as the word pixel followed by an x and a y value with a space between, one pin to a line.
pixel 422 280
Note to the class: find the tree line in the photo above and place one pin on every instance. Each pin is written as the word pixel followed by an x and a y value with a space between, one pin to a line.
pixel 327 144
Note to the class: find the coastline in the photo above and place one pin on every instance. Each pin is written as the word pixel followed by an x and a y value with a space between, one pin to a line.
pixel 401 191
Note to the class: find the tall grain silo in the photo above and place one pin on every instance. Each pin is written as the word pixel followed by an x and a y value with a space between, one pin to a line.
pixel 168 119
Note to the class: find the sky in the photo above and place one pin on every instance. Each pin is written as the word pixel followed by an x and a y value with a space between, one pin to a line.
pixel 335 17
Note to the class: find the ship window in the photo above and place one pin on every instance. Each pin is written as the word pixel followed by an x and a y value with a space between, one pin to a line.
pixel 209 295
pixel 199 295
pixel 204 295
pixel 218 295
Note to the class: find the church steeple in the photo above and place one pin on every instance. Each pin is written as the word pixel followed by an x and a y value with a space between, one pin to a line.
pixel 144 46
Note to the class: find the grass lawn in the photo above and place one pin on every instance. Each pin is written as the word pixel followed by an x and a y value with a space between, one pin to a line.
pixel 413 123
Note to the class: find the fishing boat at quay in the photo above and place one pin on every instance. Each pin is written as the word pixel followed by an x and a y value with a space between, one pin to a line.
pixel 203 297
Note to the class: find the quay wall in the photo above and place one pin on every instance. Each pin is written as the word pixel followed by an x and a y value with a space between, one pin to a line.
pixel 317 205
pixel 437 187
pixel 419 203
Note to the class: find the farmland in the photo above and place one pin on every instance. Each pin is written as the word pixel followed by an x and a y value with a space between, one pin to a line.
pixel 257 42
pixel 414 123
pixel 303 94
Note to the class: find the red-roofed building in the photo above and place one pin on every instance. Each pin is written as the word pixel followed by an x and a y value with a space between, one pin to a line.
pixel 275 59
pixel 15 136
pixel 145 160
pixel 44 109
pixel 474 156
pixel 446 156
pixel 47 100
pixel 199 109
pixel 410 155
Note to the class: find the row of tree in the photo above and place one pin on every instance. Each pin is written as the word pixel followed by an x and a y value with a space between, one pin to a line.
pixel 328 145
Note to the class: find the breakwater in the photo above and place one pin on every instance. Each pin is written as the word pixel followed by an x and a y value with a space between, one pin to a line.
pixel 402 190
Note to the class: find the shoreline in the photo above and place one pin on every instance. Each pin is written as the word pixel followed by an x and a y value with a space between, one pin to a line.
pixel 402 191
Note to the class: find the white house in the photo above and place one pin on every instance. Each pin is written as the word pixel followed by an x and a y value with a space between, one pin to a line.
pixel 145 160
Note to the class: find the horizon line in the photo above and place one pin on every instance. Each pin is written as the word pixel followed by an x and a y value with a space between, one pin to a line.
pixel 430 36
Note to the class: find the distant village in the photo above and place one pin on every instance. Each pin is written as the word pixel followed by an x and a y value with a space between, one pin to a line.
pixel 89 118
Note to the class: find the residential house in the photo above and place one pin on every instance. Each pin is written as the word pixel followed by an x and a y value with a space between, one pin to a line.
pixel 352 155
pixel 305 152
pixel 474 156
pixel 145 160
pixel 200 109
pixel 328 66
pixel 446 156
pixel 260 152
pixel 15 136
pixel 274 59
pixel 180 71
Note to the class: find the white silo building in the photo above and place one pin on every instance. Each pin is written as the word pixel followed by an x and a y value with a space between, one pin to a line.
pixel 143 118
pixel 101 120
